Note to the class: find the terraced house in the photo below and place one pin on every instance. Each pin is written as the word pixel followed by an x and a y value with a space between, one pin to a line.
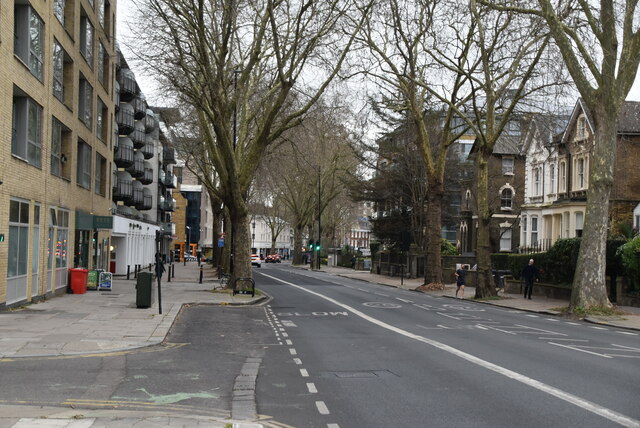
pixel 557 171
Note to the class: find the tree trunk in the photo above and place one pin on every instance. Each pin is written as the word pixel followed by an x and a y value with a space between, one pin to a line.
pixel 241 244
pixel 589 283
pixel 433 241
pixel 484 283
pixel 272 250
pixel 225 256
pixel 297 244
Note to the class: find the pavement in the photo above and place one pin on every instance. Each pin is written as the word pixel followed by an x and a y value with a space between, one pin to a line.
pixel 102 322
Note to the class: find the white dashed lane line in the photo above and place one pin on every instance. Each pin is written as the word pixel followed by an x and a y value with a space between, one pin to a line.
pixel 304 373
pixel 298 361
pixel 627 333
pixel 312 388
pixel 322 408
pixel 293 351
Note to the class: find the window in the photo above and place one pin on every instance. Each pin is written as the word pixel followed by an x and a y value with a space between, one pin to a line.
pixel 29 38
pixel 84 165
pixel 26 141
pixel 524 231
pixel 507 165
pixel 103 66
pixel 563 176
pixel 61 222
pixel 582 127
pixel 101 175
pixel 580 173
pixel 536 182
pixel 565 221
pixel 552 178
pixel 60 142
pixel 35 242
pixel 505 239
pixel 85 102
pixel 62 73
pixel 506 199
pixel 534 231
pixel 86 39
pixel 58 10
pixel 18 238
pixel 579 223
pixel 464 149
pixel 100 10
pixel 102 121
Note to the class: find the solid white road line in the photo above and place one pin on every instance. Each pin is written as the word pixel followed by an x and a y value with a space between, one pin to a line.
pixel 563 395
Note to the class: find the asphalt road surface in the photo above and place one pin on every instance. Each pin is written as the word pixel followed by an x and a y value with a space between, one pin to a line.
pixel 356 354
pixel 333 352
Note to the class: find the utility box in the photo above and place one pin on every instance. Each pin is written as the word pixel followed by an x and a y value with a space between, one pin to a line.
pixel 144 290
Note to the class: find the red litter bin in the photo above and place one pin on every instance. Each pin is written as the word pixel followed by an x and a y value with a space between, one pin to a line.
pixel 78 280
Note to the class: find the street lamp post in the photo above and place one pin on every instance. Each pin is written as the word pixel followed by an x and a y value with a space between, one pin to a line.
pixel 188 244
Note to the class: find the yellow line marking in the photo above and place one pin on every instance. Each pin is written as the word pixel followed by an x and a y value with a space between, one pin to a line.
pixel 153 348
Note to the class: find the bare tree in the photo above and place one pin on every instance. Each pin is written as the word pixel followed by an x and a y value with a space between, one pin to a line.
pixel 251 69
pixel 587 34
pixel 401 35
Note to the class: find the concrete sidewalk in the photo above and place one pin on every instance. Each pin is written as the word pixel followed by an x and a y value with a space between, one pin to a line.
pixel 106 321
pixel 540 304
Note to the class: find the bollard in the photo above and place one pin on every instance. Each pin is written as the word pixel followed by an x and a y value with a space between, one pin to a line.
pixel 135 271
pixel 200 274
pixel 128 270
pixel 173 271
pixel 169 274
pixel 150 267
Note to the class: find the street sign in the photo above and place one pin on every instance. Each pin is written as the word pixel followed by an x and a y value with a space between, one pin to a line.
pixel 221 242
pixel 105 281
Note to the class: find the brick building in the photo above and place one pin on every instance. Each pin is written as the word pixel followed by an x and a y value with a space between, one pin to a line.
pixel 57 131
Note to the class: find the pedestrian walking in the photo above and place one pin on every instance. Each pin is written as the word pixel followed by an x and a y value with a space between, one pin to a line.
pixel 460 274
pixel 530 274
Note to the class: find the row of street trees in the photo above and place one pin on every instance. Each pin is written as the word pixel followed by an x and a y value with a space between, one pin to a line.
pixel 252 70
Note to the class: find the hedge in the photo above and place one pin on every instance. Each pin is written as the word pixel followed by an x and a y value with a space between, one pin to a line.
pixel 558 264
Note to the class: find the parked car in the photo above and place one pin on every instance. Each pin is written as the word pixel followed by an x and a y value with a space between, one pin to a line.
pixel 188 257
pixel 273 258
pixel 255 260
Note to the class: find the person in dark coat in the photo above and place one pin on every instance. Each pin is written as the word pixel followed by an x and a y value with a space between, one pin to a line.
pixel 460 273
pixel 530 274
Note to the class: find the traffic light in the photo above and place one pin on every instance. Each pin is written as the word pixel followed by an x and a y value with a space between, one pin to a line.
pixel 318 246
pixel 310 244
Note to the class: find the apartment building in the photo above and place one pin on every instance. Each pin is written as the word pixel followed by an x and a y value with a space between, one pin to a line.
pixel 57 132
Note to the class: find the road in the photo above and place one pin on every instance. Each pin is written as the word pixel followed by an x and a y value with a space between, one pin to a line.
pixel 362 355
pixel 333 352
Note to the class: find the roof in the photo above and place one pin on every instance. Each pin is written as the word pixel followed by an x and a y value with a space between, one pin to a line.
pixel 507 145
pixel 628 118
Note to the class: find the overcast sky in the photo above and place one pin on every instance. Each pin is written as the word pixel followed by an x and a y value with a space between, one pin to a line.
pixel 126 13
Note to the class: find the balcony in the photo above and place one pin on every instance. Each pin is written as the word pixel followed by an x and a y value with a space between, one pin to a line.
pixel 168 205
pixel 147 203
pixel 138 194
pixel 137 169
pixel 149 121
pixel 125 119
pixel 124 189
pixel 147 151
pixel 114 179
pixel 128 86
pixel 116 95
pixel 168 155
pixel 170 181
pixel 168 229
pixel 123 210
pixel 123 156
pixel 147 177
pixel 139 107
pixel 138 136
